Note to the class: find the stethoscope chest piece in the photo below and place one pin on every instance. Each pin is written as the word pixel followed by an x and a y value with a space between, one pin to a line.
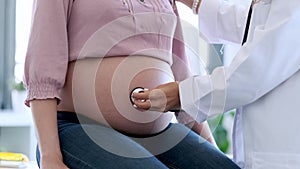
pixel 135 90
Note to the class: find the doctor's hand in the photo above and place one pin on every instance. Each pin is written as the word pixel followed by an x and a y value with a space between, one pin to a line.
pixel 162 98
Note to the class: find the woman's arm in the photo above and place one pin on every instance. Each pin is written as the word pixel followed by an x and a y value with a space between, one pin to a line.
pixel 181 71
pixel 44 114
pixel 203 130
pixel 189 3
pixel 44 74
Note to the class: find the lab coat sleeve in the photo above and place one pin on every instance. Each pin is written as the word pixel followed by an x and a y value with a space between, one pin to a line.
pixel 221 21
pixel 268 59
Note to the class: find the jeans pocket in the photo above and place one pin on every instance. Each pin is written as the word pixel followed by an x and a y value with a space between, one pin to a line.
pixel 270 160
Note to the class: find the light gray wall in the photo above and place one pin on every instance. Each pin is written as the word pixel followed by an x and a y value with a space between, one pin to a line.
pixel 7 50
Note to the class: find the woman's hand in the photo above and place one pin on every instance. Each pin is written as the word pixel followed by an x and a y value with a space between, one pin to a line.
pixel 162 98
pixel 52 162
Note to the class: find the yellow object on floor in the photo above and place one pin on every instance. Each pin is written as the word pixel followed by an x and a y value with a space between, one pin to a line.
pixel 13 160
pixel 7 156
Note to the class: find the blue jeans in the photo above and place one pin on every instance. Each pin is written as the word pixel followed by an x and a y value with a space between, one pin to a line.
pixel 88 145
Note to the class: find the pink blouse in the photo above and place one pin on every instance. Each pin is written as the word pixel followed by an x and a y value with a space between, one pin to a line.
pixel 68 30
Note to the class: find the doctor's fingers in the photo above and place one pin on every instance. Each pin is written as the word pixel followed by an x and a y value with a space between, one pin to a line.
pixel 142 95
pixel 150 105
pixel 153 95
pixel 142 104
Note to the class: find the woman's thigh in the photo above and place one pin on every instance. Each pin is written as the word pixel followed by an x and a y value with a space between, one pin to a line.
pixel 94 146
pixel 186 150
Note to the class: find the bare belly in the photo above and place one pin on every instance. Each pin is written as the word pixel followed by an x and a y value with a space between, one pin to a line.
pixel 99 89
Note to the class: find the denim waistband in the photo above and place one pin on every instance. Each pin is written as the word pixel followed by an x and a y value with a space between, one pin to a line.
pixel 71 117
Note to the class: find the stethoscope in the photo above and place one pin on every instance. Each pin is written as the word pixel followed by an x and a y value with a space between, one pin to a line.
pixel 135 90
pixel 141 90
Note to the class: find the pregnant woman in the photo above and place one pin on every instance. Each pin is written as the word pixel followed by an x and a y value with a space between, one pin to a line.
pixel 82 54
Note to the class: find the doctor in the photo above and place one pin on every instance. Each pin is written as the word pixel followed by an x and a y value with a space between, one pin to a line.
pixel 262 82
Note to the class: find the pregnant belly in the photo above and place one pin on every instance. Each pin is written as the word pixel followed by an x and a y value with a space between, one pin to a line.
pixel 100 88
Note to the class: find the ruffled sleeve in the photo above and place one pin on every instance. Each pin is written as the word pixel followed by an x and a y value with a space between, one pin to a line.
pixel 47 54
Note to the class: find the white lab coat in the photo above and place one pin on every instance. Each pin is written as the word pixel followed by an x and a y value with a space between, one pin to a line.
pixel 262 82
